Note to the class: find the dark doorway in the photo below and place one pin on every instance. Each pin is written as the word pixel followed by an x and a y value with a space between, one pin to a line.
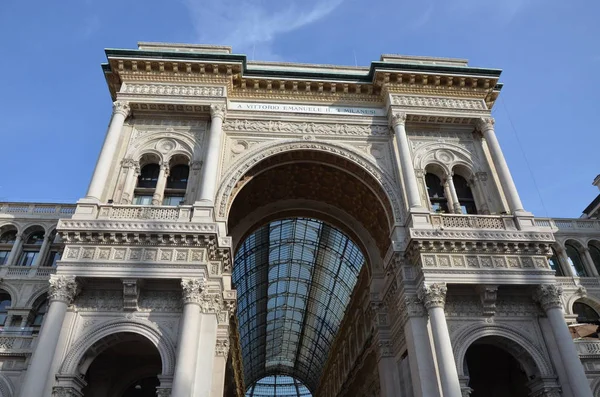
pixel 495 373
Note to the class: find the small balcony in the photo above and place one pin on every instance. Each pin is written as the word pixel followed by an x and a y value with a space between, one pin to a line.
pixel 35 210
pixel 19 272
pixel 146 212
pixel 588 348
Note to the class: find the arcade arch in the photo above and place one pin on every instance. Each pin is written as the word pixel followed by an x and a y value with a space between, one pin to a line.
pixel 303 223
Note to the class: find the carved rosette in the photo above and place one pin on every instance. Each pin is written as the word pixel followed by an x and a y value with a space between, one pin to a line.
pixel 121 107
pixel 193 290
pixel 222 347
pixel 485 123
pixel 433 295
pixel 398 118
pixel 548 296
pixel 63 288
pixel 217 110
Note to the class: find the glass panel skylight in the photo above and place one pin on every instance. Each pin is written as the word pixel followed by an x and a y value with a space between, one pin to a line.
pixel 294 279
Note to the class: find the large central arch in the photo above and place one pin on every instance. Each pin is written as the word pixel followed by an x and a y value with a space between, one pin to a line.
pixel 331 215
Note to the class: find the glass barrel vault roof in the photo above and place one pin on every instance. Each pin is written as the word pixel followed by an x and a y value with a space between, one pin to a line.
pixel 294 279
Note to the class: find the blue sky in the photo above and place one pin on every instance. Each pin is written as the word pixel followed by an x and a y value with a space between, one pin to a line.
pixel 55 105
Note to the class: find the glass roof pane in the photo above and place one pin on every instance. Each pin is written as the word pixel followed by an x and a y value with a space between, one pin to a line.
pixel 294 279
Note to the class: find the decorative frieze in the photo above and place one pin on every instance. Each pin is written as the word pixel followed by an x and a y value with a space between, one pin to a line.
pixel 136 254
pixel 293 127
pixel 172 90
pixel 159 301
pixel 461 104
pixel 100 300
pixel 63 288
pixel 473 261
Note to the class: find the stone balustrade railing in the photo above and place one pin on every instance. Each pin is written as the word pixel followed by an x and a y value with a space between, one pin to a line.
pixel 26 271
pixel 145 212
pixel 588 347
pixel 16 344
pixel 37 210
pixel 569 225
pixel 455 221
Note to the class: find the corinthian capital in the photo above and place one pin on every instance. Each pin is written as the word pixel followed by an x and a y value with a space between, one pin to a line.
pixel 121 107
pixel 63 288
pixel 485 123
pixel 433 295
pixel 398 118
pixel 193 289
pixel 548 296
pixel 217 111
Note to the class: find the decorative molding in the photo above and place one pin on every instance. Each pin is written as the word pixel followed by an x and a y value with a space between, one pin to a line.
pixel 193 290
pixel 488 295
pixel 549 296
pixel 218 111
pixel 63 288
pixel 131 294
pixel 121 107
pixel 433 295
pixel 478 260
pixel 438 102
pixel 485 123
pixel 296 127
pixel 172 90
pixel 222 347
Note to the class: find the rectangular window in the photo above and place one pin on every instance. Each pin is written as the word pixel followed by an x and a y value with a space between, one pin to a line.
pixel 27 258
pixel 4 257
pixel 172 200
pixel 142 200
pixel 53 257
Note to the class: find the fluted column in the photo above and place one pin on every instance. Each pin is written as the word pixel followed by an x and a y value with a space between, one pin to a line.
pixel 486 125
pixel 111 141
pixel 208 173
pixel 455 203
pixel 549 298
pixel 420 355
pixel 406 165
pixel 63 290
pixel 40 256
pixel 14 251
pixel 133 170
pixel 187 347
pixel 590 262
pixel 161 183
pixel 434 299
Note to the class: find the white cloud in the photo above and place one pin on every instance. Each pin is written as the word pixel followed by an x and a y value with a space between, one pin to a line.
pixel 251 26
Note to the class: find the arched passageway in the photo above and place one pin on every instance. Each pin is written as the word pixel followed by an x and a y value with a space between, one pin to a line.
pixel 122 365
pixel 494 372
pixel 304 224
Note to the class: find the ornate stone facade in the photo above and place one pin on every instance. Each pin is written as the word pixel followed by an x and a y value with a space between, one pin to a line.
pixel 203 149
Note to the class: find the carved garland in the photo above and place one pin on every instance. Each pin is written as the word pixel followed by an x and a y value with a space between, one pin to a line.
pixel 245 163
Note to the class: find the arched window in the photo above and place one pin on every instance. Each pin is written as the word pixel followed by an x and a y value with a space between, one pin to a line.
pixel 38 314
pixel 575 260
pixel 585 313
pixel 555 264
pixel 31 249
pixel 148 176
pixel 4 305
pixel 176 185
pixel 435 191
pixel 7 239
pixel 146 184
pixel 595 254
pixel 465 195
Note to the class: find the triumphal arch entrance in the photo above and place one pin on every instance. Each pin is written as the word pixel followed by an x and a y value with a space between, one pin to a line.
pixel 272 229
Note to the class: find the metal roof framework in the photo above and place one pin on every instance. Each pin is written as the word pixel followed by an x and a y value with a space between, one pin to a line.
pixel 294 279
